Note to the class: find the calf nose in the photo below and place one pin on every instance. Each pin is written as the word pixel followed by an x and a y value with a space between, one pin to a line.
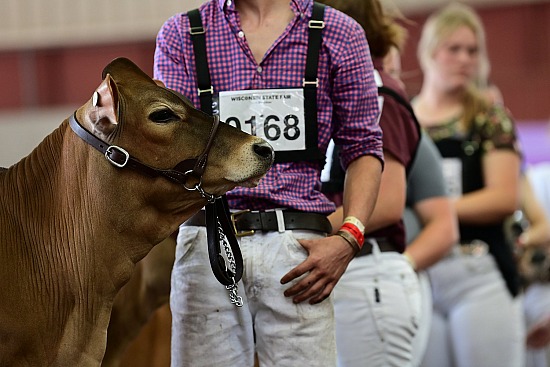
pixel 264 150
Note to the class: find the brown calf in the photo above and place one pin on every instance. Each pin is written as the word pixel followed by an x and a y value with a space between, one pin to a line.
pixel 73 225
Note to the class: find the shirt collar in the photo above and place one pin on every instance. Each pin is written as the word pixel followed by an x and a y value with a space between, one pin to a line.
pixel 299 5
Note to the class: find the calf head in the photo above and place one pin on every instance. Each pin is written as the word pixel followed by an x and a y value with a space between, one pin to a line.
pixel 162 130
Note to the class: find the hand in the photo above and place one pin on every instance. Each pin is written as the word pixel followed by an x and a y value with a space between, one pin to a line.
pixel 327 260
pixel 539 334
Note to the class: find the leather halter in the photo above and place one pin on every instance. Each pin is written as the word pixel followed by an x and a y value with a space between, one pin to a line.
pixel 119 157
pixel 219 227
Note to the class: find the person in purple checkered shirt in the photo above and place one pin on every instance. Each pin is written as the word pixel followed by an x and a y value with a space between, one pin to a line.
pixel 256 52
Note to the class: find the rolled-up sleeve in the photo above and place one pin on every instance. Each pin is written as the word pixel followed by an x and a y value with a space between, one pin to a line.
pixel 355 99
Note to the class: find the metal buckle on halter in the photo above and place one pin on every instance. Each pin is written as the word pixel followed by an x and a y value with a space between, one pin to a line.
pixel 110 150
pixel 318 24
pixel 234 222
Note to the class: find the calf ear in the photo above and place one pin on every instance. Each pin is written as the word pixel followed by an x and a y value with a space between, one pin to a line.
pixel 103 113
pixel 159 83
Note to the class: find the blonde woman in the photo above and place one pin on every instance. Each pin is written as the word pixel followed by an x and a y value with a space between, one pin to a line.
pixel 477 320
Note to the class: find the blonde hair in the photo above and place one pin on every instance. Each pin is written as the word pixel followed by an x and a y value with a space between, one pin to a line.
pixel 381 29
pixel 441 25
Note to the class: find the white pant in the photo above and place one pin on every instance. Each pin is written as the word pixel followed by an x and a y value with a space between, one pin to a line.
pixel 536 304
pixel 209 331
pixel 476 322
pixel 377 308
pixel 422 336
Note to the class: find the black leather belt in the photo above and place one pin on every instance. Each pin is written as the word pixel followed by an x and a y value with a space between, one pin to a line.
pixel 383 244
pixel 246 222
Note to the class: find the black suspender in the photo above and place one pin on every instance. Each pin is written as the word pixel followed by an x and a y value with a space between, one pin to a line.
pixel 310 85
pixel 201 61
pixel 402 101
pixel 310 82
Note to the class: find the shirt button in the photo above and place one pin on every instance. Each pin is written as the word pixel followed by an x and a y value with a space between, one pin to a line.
pixel 240 34
pixel 259 69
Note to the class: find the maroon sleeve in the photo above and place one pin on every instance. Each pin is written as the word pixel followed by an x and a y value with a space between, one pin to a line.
pixel 400 131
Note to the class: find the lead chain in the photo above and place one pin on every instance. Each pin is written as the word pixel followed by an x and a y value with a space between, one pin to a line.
pixel 232 289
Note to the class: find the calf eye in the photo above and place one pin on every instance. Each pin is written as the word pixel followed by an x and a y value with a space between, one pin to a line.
pixel 163 116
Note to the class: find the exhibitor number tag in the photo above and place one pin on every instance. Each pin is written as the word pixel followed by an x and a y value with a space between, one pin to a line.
pixel 277 115
pixel 452 174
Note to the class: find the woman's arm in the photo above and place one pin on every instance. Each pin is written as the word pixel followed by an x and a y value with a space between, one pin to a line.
pixel 439 231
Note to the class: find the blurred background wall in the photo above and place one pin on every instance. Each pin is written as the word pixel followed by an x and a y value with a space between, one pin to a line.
pixel 52 54
pixel 518 41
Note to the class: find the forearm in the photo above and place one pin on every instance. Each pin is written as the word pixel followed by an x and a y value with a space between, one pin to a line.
pixel 499 198
pixel 390 200
pixel 486 206
pixel 438 235
pixel 391 196
pixel 361 188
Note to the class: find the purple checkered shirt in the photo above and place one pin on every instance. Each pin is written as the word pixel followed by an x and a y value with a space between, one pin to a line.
pixel 346 98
